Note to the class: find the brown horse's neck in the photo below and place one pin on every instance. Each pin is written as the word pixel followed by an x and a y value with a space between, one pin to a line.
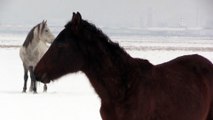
pixel 110 76
pixel 107 79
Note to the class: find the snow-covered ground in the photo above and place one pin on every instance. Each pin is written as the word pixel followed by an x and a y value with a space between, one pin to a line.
pixel 72 97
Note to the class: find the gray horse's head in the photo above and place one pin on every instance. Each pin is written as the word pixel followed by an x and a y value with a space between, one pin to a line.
pixel 43 32
pixel 40 32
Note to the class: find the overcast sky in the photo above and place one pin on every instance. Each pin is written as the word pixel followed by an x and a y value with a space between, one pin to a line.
pixel 110 13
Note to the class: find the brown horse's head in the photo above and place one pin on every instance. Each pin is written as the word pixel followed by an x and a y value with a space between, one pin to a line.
pixel 65 55
pixel 79 46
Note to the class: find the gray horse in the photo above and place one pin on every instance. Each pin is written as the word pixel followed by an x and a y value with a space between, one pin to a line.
pixel 33 48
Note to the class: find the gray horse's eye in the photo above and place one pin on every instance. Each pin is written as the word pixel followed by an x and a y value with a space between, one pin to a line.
pixel 46 30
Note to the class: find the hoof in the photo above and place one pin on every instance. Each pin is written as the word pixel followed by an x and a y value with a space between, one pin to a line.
pixel 45 88
pixel 24 91
pixel 33 91
pixel 30 90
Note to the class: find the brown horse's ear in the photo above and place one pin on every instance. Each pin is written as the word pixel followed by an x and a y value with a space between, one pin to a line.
pixel 79 15
pixel 73 15
pixel 76 20
pixel 76 17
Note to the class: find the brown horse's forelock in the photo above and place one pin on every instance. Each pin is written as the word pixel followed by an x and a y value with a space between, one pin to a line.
pixel 98 38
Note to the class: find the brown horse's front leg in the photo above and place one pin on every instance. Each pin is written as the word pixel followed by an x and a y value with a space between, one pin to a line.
pixel 107 112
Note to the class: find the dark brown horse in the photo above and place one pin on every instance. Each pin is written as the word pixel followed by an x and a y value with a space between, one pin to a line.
pixel 130 88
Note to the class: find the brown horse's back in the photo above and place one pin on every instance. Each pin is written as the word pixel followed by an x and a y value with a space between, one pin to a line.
pixel 181 89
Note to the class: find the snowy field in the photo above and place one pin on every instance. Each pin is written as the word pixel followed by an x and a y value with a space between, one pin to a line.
pixel 72 97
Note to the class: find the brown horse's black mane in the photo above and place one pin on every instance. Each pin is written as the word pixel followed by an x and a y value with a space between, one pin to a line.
pixel 97 36
pixel 100 48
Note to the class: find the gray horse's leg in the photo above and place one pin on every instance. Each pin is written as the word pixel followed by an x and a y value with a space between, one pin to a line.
pixel 33 81
pixel 45 88
pixel 25 79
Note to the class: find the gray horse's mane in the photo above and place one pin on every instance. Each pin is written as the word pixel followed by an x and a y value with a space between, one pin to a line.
pixel 30 35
